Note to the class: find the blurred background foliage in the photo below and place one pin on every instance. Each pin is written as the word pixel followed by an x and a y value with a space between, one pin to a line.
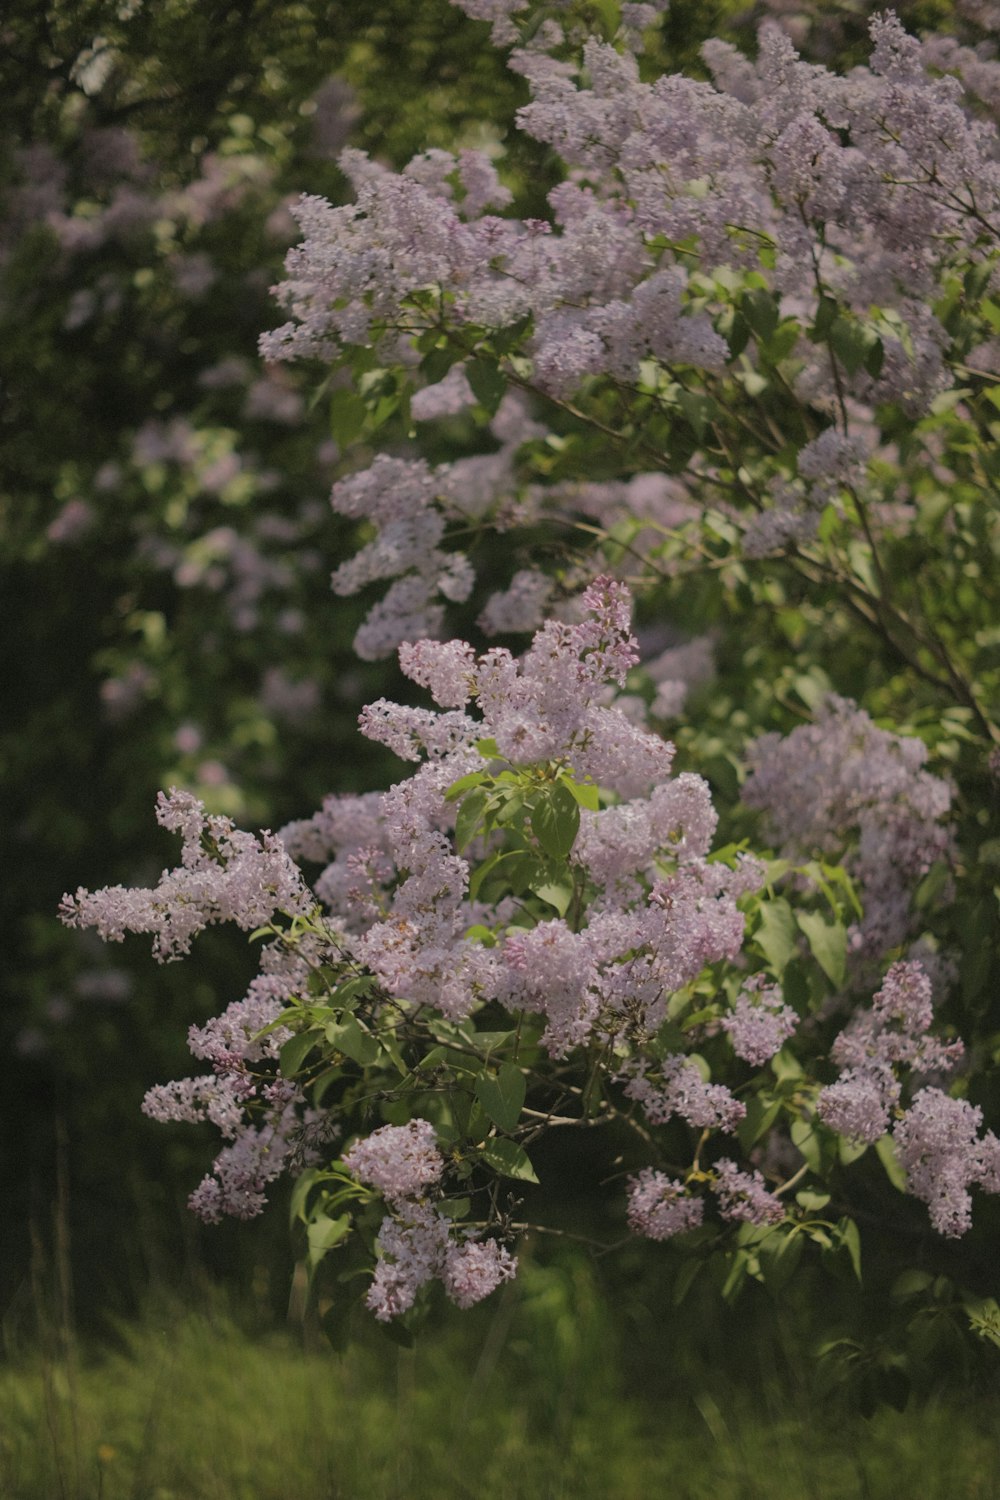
pixel 165 546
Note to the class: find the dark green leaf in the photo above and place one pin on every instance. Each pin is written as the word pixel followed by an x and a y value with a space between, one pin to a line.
pixel 470 817
pixel 510 1159
pixel 761 311
pixel 348 1038
pixel 502 1094
pixel 828 944
pixel 347 416
pixel 295 1051
pixel 760 1116
pixel 850 1239
pixel 323 1233
pixel 555 820
pixel 435 365
pixel 776 936
pixel 885 1150
pixel 488 382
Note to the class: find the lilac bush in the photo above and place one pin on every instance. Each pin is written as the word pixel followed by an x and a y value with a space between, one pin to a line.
pixel 744 373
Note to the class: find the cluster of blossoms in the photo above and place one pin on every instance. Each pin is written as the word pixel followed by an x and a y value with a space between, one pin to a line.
pixel 267 1119
pixel 417 1242
pixel 842 787
pixel 943 1156
pixel 411 505
pixel 894 1033
pixel 224 876
pixel 936 1138
pixel 660 1207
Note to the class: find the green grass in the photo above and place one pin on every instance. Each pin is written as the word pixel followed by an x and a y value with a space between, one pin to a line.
pixel 522 1400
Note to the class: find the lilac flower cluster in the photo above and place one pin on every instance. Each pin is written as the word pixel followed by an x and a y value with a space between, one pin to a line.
pixel 399 1161
pixel 760 1022
pixel 225 876
pixel 843 787
pixel 270 1127
pixel 659 1207
pixel 873 1045
pixel 416 1242
pixel 743 1198
pixel 942 1155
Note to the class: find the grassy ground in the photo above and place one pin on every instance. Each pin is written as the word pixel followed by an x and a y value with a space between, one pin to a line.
pixel 522 1401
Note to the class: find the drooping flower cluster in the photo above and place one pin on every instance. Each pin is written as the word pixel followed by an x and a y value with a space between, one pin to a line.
pixel 416 1242
pixel 943 1156
pixel 659 1207
pixel 842 786
pixel 400 1161
pixel 759 1023
pixel 874 1044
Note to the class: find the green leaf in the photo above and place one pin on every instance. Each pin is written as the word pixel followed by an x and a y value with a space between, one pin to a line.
pixel 435 365
pixel 875 359
pixel 761 312
pixel 300 1192
pixel 685 1279
pixel 776 935
pixel 323 1233
pixel 508 1158
pixel 911 1283
pixel 555 821
pixel 828 943
pixel 454 1208
pixel 849 1150
pixel 351 991
pixel 470 817
pixel 295 1051
pixel 464 784
pixel 738 335
pixel 885 1150
pixel 585 792
pixel 851 342
pixel 488 382
pixel 502 1094
pixel 779 1256
pixel 811 1201
pixel 698 410
pixel 850 1240
pixel 610 15
pixel 347 416
pixel 760 1116
pixel 512 872
pixel 323 1084
pixel 348 1038
pixel 806 1139
pixel 826 312
pixel 558 893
